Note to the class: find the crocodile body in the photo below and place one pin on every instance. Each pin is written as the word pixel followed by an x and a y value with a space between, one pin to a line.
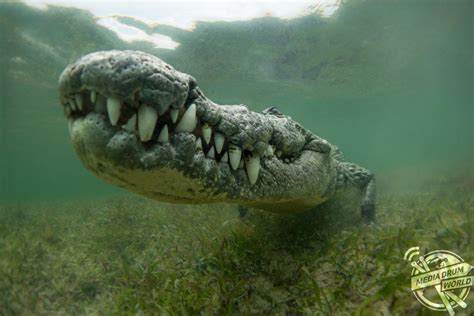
pixel 138 123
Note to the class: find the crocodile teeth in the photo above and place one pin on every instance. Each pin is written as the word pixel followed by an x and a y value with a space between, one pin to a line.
pixel 206 133
pixel 198 144
pixel 113 107
pixel 174 115
pixel 67 110
pixel 219 142
pixel 235 153
pixel 269 151
pixel 131 124
pixel 73 104
pixel 210 153
pixel 252 164
pixel 188 121
pixel 79 101
pixel 93 96
pixel 164 135
pixel 225 158
pixel 147 117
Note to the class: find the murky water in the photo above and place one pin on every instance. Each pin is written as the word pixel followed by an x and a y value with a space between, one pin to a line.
pixel 391 84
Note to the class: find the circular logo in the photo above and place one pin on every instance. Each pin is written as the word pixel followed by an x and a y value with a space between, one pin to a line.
pixel 440 280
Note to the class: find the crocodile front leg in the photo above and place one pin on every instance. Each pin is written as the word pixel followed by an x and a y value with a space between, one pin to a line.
pixel 351 176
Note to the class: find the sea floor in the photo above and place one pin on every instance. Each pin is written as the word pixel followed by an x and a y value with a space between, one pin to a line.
pixel 135 256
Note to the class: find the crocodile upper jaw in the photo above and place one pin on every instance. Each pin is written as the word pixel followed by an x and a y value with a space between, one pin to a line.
pixel 139 124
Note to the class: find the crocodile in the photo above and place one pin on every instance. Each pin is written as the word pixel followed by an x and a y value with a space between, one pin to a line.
pixel 138 123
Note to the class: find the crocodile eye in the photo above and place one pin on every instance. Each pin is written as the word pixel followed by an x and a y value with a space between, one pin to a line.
pixel 273 111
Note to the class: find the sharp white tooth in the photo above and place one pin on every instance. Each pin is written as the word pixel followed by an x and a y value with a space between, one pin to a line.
pixel 206 133
pixel 113 107
pixel 278 153
pixel 131 125
pixel 188 121
pixel 252 164
pixel 269 151
pixel 67 110
pixel 73 104
pixel 147 117
pixel 210 153
pixel 164 135
pixel 235 153
pixel 219 142
pixel 174 115
pixel 241 164
pixel 79 101
pixel 225 158
pixel 93 96
pixel 198 144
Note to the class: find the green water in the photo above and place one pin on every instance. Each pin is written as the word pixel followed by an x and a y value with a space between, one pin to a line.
pixel 389 82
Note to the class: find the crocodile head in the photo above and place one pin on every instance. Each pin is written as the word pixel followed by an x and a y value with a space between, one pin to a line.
pixel 139 124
